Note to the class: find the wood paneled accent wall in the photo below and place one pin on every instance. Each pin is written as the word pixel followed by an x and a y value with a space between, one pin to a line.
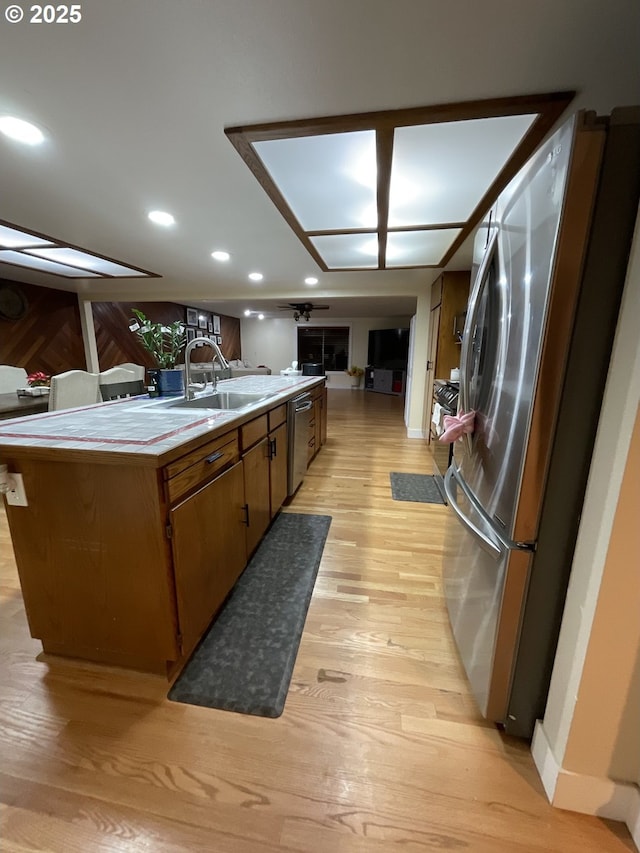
pixel 116 344
pixel 48 337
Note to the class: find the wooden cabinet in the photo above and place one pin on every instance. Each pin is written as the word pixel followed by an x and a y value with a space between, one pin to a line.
pixel 264 443
pixel 94 561
pixel 317 422
pixel 209 551
pixel 449 299
pixel 126 563
pixel 278 457
pixel 257 501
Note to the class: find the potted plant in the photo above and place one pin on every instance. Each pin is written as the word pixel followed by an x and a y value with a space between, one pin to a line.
pixel 356 374
pixel 38 383
pixel 165 343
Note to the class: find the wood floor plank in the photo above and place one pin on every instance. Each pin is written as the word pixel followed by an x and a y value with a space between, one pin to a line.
pixel 380 748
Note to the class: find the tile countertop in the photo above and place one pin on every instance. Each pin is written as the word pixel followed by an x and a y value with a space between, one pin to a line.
pixel 120 427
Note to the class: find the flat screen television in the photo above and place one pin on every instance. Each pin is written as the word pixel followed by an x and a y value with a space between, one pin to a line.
pixel 388 349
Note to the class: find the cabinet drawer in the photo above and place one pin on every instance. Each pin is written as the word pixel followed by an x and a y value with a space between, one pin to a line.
pixel 202 465
pixel 253 431
pixel 277 416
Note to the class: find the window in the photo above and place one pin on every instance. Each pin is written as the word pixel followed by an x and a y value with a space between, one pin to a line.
pixel 326 345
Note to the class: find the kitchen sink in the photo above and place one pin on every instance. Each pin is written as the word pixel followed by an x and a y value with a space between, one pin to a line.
pixel 225 400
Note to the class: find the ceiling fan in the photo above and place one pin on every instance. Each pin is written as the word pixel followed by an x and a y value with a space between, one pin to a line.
pixel 302 309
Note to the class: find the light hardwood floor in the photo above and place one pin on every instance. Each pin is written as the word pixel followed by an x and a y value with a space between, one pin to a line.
pixel 380 747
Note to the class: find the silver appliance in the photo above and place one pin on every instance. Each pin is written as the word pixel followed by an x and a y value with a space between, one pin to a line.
pixel 298 416
pixel 549 266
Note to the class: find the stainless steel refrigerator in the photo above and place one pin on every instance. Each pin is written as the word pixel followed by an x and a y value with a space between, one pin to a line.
pixel 550 260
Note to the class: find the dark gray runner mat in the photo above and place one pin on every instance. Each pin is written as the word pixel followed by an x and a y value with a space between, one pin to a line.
pixel 420 488
pixel 245 661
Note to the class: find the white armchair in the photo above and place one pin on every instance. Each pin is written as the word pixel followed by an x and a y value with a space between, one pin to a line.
pixel 74 388
pixel 12 378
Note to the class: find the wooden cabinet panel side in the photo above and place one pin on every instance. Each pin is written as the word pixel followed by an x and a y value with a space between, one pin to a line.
pixel 92 558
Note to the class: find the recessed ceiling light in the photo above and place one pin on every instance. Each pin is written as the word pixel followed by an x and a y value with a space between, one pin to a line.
pixel 247 313
pixel 260 316
pixel 161 217
pixel 256 276
pixel 311 280
pixel 220 256
pixel 20 130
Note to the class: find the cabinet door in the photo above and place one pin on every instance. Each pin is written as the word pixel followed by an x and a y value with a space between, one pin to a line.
pixel 209 551
pixel 278 449
pixel 323 417
pixel 257 492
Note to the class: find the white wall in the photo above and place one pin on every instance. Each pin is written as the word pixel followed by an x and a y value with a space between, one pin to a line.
pixel 556 747
pixel 416 413
pixel 273 342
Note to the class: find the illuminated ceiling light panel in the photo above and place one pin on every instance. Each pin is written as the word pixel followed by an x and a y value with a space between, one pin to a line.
pixel 433 169
pixel 11 238
pixel 419 248
pixel 76 258
pixel 328 181
pixel 440 172
pixel 350 251
pixel 31 251
pixel 34 263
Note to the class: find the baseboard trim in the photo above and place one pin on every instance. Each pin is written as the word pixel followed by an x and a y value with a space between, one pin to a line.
pixel 416 433
pixel 578 792
pixel 633 817
pixel 545 761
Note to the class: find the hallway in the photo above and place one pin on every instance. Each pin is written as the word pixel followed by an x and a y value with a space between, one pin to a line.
pixel 380 746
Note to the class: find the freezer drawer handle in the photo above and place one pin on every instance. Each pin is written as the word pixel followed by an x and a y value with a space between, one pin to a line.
pixel 485 541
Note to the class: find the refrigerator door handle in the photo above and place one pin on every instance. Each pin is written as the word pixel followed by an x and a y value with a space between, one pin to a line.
pixel 486 542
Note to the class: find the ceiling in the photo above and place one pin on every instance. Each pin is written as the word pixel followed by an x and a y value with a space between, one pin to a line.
pixel 134 101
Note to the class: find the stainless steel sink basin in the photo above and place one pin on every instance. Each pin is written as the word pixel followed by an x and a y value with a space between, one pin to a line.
pixel 226 400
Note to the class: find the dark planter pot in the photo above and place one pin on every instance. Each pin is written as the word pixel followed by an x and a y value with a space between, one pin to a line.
pixel 170 382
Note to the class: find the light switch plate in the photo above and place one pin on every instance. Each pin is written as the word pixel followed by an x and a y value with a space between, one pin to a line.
pixel 17 495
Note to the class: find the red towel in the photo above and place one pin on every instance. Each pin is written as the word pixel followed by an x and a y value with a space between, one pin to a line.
pixel 456 426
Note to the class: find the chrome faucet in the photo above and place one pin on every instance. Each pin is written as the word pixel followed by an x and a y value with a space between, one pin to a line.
pixel 189 393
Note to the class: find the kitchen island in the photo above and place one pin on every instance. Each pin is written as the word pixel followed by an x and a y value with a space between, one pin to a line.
pixel 143 513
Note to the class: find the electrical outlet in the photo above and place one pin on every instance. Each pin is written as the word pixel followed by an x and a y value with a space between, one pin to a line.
pixel 16 496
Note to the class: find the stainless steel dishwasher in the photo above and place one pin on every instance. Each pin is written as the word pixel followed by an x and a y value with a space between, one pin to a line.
pixel 298 415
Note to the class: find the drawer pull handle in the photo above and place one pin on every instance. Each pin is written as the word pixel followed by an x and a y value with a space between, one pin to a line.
pixel 214 457
pixel 245 509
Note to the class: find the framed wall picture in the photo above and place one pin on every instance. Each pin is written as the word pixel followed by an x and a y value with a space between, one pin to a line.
pixel 216 325
pixel 219 339
pixel 192 317
pixel 191 334
pixel 210 326
pixel 202 322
